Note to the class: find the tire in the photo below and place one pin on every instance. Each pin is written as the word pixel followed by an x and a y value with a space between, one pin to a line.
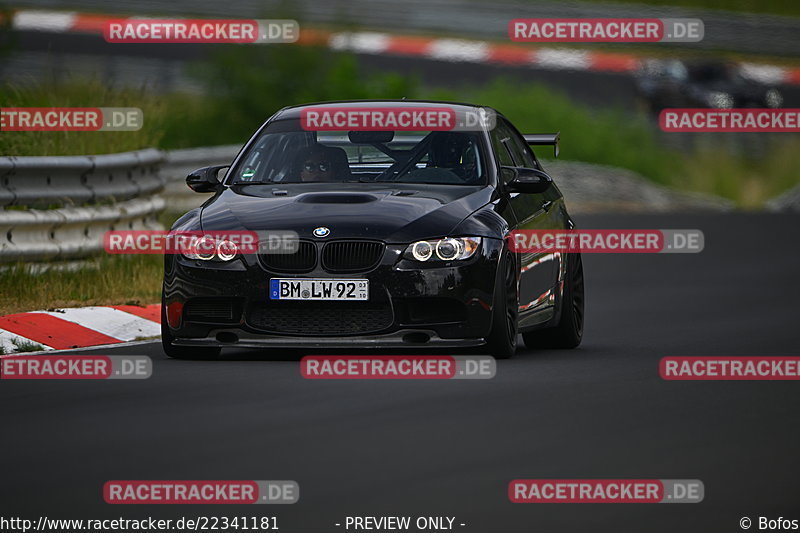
pixel 569 331
pixel 183 352
pixel 502 340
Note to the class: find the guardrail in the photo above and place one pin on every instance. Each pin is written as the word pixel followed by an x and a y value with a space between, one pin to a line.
pixel 44 182
pixel 60 207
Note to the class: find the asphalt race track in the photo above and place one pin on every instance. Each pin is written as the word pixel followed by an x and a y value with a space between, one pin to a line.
pixel 450 448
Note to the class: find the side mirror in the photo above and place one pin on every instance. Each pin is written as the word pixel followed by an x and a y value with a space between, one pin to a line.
pixel 205 179
pixel 526 180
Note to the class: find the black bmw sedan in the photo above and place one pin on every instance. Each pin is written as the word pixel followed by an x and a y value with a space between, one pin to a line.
pixel 721 85
pixel 394 218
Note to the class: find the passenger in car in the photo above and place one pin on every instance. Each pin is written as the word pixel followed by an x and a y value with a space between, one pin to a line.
pixel 455 152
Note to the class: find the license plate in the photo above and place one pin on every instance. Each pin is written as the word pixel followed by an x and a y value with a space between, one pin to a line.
pixel 319 289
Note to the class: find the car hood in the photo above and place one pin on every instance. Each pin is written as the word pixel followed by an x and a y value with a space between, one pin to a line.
pixel 392 213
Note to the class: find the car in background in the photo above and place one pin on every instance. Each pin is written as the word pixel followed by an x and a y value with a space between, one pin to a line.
pixel 401 242
pixel 701 84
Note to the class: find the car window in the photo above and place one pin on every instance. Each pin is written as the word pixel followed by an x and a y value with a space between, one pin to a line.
pixel 501 135
pixel 520 150
pixel 510 146
pixel 287 154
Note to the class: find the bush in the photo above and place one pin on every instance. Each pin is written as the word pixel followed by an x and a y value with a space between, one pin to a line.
pixel 248 84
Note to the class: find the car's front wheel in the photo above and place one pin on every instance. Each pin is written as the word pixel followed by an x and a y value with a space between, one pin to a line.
pixel 182 352
pixel 569 331
pixel 502 341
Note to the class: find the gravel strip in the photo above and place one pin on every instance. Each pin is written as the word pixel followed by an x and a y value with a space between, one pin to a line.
pixel 591 188
pixel 786 202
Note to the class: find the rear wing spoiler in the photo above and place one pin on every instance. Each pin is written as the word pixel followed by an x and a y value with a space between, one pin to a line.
pixel 544 139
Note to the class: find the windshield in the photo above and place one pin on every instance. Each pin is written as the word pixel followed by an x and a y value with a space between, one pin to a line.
pixel 284 153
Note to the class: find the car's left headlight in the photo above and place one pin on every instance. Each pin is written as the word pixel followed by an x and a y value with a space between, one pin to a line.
pixel 719 100
pixel 446 249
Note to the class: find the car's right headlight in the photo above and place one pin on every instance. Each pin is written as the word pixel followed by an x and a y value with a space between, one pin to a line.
pixel 445 249
pixel 207 248
pixel 773 98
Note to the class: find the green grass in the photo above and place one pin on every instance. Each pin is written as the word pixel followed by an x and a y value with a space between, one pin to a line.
pixel 112 280
pixel 740 177
pixel 81 94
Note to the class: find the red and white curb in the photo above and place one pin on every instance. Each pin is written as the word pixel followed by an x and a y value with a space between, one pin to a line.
pixel 62 329
pixel 456 50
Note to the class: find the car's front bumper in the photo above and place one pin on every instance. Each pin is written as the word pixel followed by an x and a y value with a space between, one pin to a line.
pixel 409 306
pixel 403 338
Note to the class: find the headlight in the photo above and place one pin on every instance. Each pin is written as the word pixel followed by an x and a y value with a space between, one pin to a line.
pixel 447 249
pixel 226 250
pixel 720 100
pixel 773 98
pixel 205 248
pixel 422 250
pixel 208 248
